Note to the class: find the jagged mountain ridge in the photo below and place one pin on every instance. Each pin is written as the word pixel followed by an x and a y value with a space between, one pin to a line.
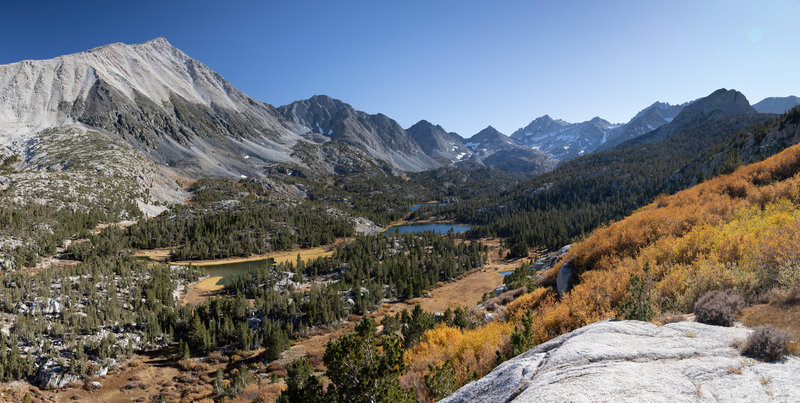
pixel 564 140
pixel 439 143
pixel 155 97
pixel 647 120
pixel 495 149
pixel 721 102
pixel 184 115
pixel 323 119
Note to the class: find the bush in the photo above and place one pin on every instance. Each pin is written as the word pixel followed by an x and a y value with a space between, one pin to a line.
pixel 718 307
pixel 638 302
pixel 503 299
pixel 766 343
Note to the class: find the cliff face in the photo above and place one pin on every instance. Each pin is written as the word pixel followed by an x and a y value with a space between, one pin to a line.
pixel 631 360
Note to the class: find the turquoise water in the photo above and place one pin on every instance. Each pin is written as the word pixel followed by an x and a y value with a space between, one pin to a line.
pixel 439 228
pixel 417 206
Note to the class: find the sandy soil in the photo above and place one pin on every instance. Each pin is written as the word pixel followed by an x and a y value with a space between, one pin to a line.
pixel 139 380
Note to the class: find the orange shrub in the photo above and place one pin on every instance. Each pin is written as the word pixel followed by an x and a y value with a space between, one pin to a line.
pixel 529 301
pixel 468 350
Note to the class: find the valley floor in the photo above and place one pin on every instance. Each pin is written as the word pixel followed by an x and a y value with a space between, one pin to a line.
pixel 145 378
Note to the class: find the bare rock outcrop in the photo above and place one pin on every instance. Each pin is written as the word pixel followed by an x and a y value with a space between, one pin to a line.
pixel 638 361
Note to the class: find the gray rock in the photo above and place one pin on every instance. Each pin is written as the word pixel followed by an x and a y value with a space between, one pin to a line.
pixel 638 361
pixel 54 377
pixel 7 264
pixel 564 278
pixel 96 385
pixel 500 289
pixel 550 260
pixel 51 306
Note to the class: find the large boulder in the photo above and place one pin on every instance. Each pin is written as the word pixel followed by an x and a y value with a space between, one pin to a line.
pixel 564 278
pixel 638 361
pixel 52 376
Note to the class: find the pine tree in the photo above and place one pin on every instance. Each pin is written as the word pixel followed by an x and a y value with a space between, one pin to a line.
pixel 638 302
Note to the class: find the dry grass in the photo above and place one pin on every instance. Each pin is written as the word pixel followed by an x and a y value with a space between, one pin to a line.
pixel 158 255
pixel 279 257
pixel 666 318
pixel 786 317
pixel 210 284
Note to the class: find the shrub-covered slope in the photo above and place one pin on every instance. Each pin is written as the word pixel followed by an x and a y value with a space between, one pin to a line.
pixel 738 231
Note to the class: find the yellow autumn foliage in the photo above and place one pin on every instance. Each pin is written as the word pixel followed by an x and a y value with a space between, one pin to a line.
pixel 739 231
pixel 468 350
pixel 530 301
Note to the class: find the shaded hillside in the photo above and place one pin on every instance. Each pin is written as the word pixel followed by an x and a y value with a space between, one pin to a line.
pixel 323 119
pixel 777 104
pixel 444 146
pixel 495 149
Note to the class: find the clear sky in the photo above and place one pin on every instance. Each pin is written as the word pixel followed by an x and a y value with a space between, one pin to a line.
pixel 462 64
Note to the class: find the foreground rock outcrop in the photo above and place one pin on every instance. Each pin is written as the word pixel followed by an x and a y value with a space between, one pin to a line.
pixel 638 361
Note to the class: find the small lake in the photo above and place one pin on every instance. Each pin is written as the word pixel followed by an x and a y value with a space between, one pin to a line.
pixel 416 207
pixel 507 273
pixel 230 270
pixel 439 228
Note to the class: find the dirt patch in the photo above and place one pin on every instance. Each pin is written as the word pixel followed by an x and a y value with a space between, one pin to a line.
pixel 121 225
pixel 199 291
pixel 158 255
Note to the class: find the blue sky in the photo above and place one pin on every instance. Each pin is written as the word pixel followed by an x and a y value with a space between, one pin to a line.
pixel 461 64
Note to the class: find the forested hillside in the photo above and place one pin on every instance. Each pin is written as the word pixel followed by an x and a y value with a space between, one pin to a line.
pixel 552 209
pixel 736 232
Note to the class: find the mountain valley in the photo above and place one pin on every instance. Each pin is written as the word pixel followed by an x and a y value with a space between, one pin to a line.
pixel 128 171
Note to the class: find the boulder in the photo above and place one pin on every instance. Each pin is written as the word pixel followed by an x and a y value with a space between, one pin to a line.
pixel 638 361
pixel 51 306
pixel 564 278
pixel 54 377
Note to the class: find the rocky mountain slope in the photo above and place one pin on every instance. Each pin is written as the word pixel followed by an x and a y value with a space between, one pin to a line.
pixel 152 95
pixel 563 140
pixel 777 104
pixel 718 104
pixel 631 360
pixel 183 115
pixel 647 120
pixel 438 143
pixel 495 149
pixel 322 119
